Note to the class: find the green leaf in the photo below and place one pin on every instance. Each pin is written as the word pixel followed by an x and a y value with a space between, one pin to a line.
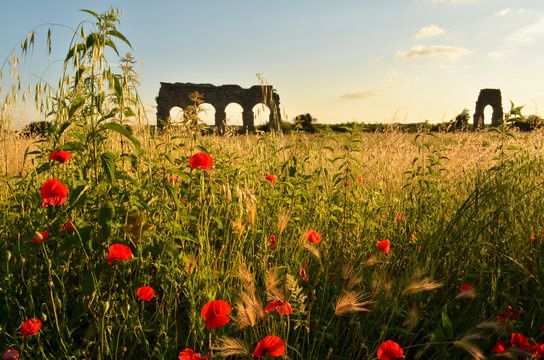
pixel 120 36
pixel 91 12
pixel 446 323
pixel 108 164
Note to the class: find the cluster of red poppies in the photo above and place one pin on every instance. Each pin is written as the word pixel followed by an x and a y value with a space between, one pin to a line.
pixel 215 313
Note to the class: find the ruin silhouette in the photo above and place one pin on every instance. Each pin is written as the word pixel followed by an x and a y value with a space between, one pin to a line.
pixel 177 94
pixel 493 98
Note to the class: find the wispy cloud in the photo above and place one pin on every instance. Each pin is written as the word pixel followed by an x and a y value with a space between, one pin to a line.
pixel 452 1
pixel 433 51
pixel 503 12
pixel 527 34
pixel 359 95
pixel 429 32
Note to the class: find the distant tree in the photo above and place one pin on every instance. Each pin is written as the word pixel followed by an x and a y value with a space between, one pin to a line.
pixel 305 123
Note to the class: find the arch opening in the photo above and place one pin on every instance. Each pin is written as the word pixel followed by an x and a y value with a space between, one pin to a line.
pixel 207 114
pixel 234 114
pixel 261 114
pixel 176 115
pixel 488 115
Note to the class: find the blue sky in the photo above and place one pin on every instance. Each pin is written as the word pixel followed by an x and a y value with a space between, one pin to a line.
pixel 345 60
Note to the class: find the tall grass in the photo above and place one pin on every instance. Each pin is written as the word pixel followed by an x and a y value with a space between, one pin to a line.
pixel 454 210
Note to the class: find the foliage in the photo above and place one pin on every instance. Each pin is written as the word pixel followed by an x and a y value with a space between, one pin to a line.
pixel 197 235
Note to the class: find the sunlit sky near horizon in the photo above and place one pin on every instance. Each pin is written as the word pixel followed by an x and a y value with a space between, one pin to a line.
pixel 345 60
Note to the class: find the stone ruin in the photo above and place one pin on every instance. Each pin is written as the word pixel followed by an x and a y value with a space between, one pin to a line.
pixel 177 94
pixel 491 97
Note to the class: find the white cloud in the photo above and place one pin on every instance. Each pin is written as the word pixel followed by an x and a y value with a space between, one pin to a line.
pixel 434 51
pixel 503 12
pixel 527 34
pixel 429 32
pixel 358 95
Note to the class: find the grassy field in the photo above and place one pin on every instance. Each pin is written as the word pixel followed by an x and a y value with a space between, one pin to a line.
pixel 116 244
pixel 457 208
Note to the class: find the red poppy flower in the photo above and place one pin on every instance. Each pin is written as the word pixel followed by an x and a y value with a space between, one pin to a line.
pixel 500 347
pixel 389 350
pixel 145 293
pixel 272 241
pixel 283 307
pixel 533 238
pixel 510 314
pixel 312 236
pixel 54 193
pixel 119 252
pixel 384 245
pixel 216 313
pixel 201 160
pixel 360 180
pixel 520 340
pixel 173 179
pixel 189 354
pixel 302 273
pixel 272 346
pixel 68 227
pixel 61 156
pixel 31 327
pixel 400 217
pixel 40 236
pixel 271 178
pixel 11 355
pixel 466 287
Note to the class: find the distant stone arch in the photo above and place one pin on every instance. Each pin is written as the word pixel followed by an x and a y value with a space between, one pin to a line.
pixel 493 98
pixel 177 94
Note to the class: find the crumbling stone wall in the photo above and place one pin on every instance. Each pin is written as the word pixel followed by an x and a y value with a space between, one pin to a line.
pixel 491 97
pixel 177 94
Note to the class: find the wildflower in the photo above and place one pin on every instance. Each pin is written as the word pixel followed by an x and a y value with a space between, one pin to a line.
pixel 312 236
pixel 283 307
pixel 68 227
pixel 272 241
pixel 360 180
pixel 201 160
pixel 384 245
pixel 520 340
pixel 189 354
pixel 54 193
pixel 145 293
pixel 400 217
pixel 119 252
pixel 61 156
pixel 271 178
pixel 173 179
pixel 30 327
pixel 466 290
pixel 510 314
pixel 272 346
pixel 533 238
pixel 302 273
pixel 500 347
pixel 11 355
pixel 40 236
pixel 215 313
pixel 389 350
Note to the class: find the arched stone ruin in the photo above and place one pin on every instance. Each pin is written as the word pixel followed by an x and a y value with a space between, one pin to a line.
pixel 177 94
pixel 493 98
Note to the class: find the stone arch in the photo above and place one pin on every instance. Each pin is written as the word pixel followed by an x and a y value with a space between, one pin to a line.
pixel 493 98
pixel 219 97
pixel 261 114
pixel 234 114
